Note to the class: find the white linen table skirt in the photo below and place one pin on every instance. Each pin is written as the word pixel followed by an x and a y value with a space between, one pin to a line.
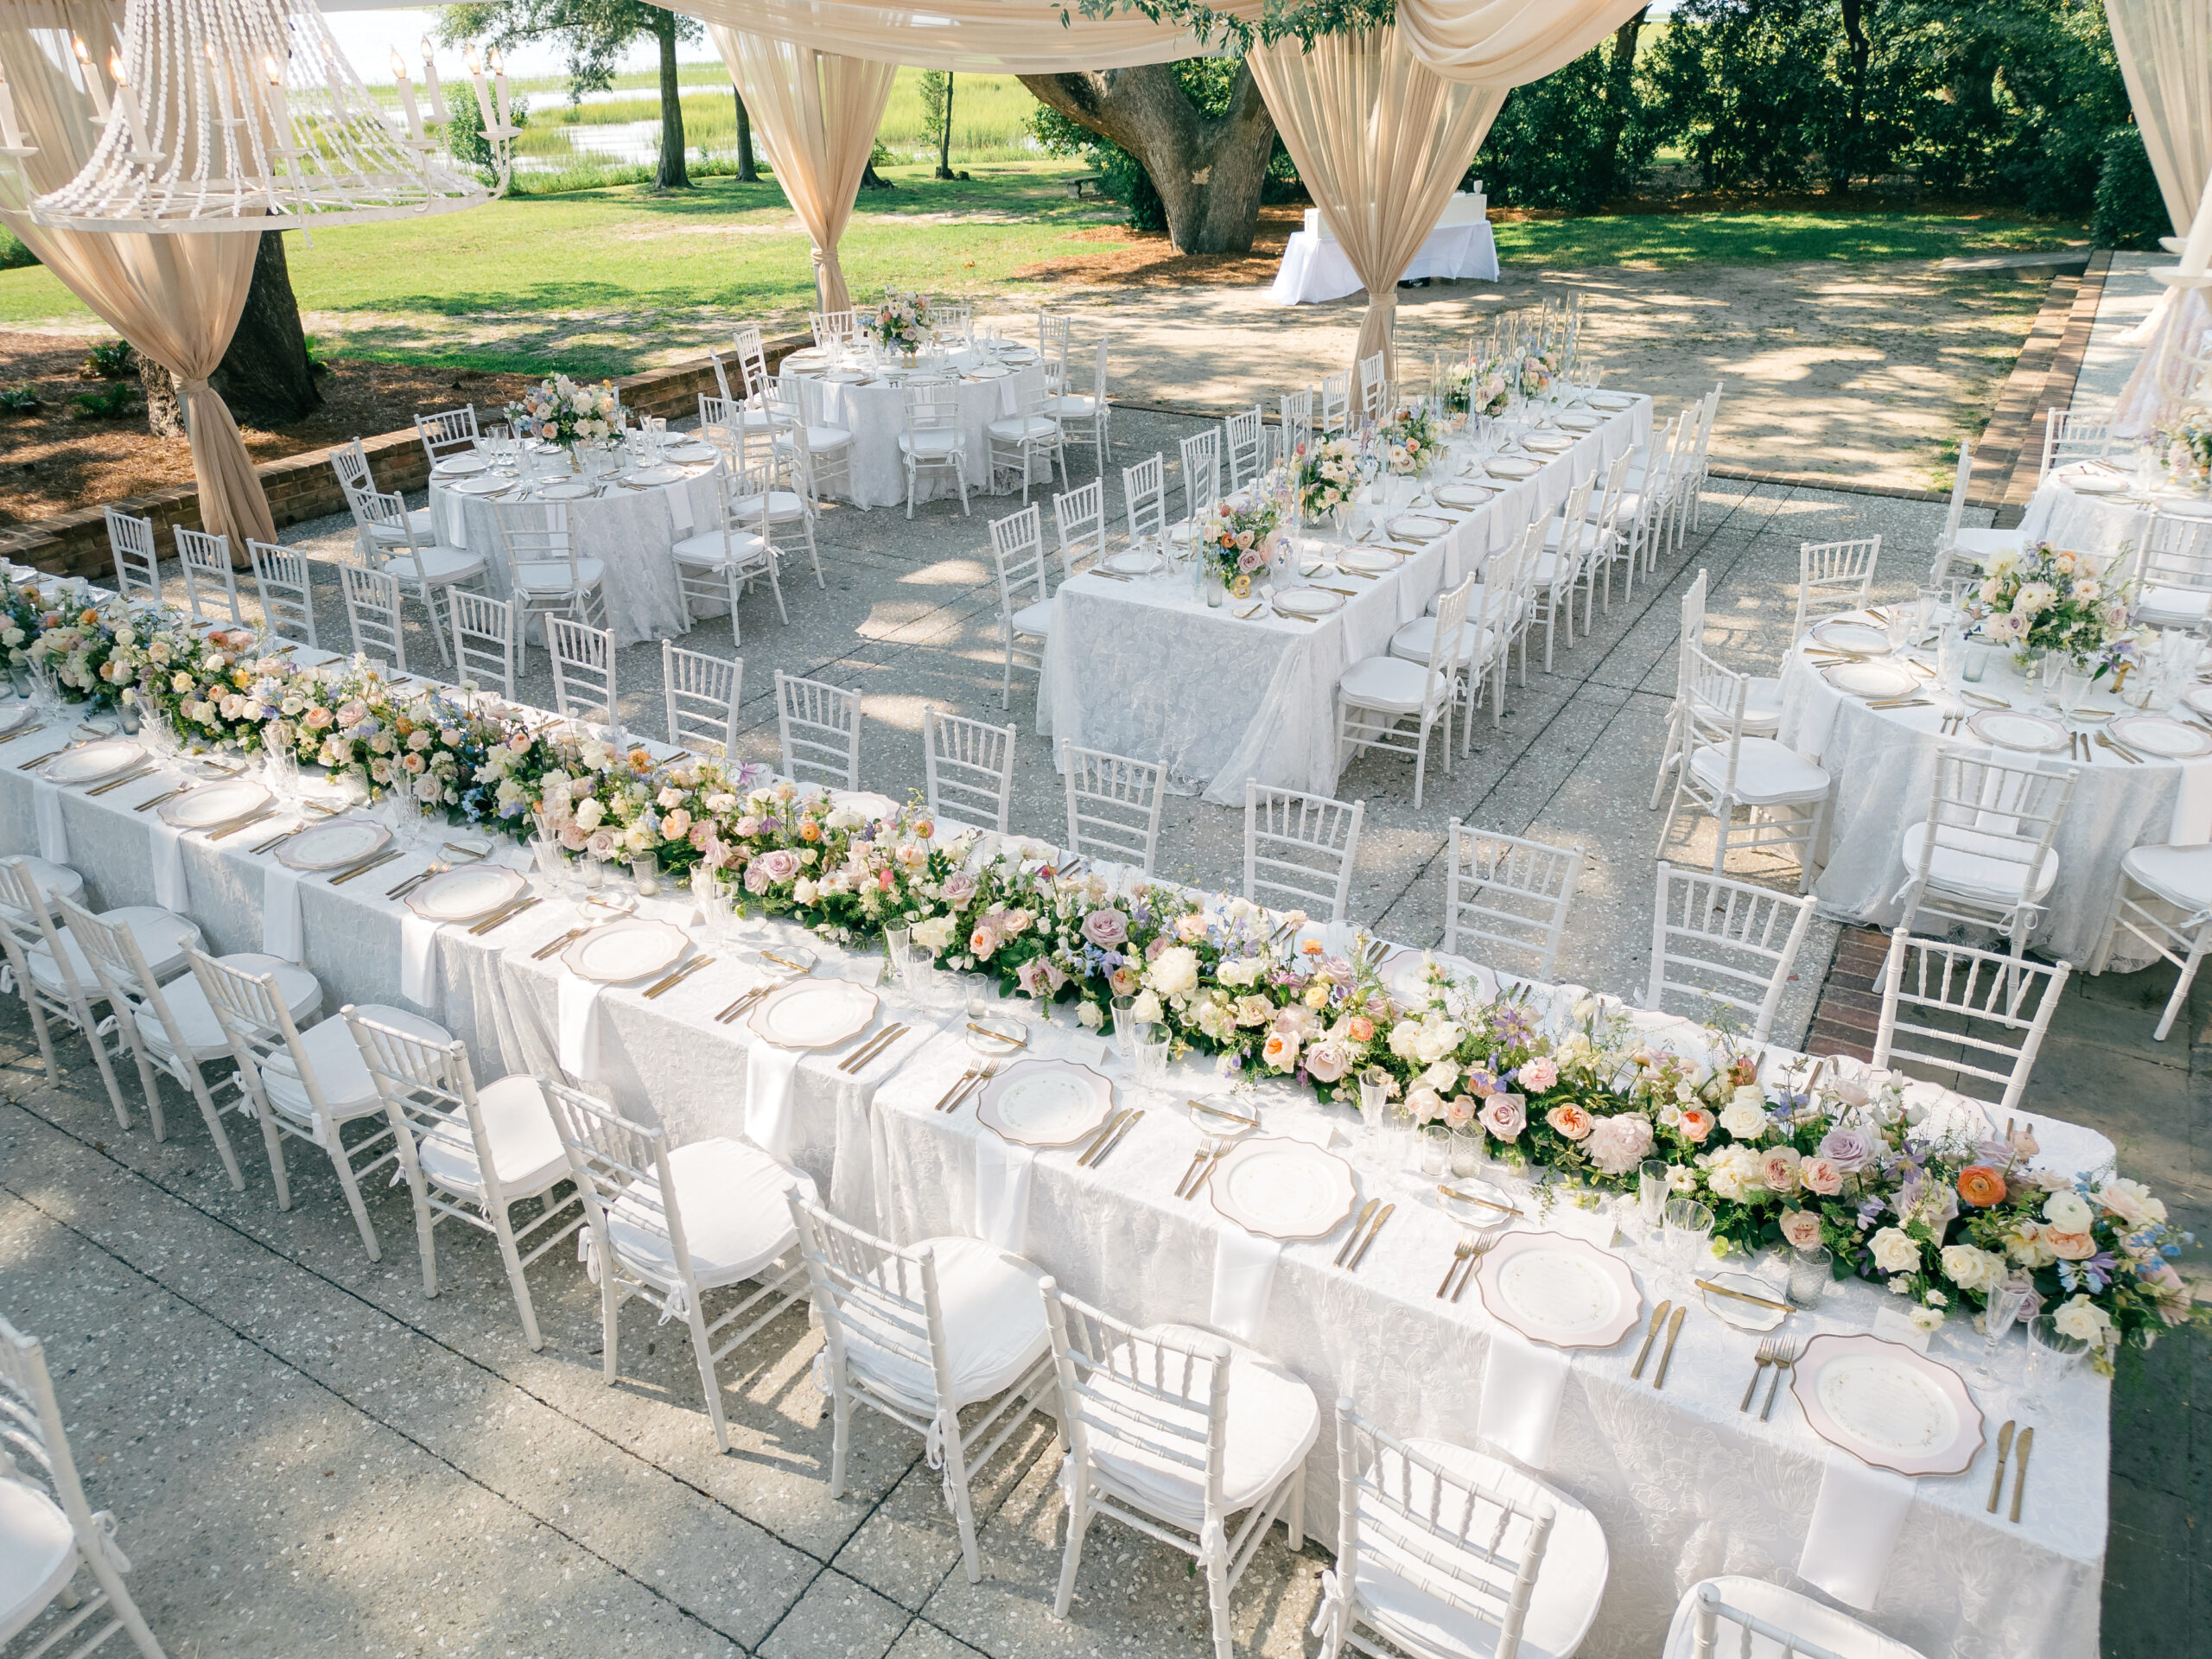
pixel 1315 269
pixel 876 415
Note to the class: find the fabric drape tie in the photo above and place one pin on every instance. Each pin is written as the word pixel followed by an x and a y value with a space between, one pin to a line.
pixel 825 1377
pixel 104 1530
pixel 1213 1546
pixel 1331 1618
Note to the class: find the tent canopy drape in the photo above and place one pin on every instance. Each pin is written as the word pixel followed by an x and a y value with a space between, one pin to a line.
pixel 2165 56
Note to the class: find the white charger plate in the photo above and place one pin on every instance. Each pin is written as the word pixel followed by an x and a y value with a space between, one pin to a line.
pixel 1308 602
pixel 459 465
pixel 1373 559
pixel 1405 973
pixel 1419 526
pixel 694 451
pixel 1581 422
pixel 847 377
pixel 1864 638
pixel 1560 1290
pixel 2088 482
pixel 1871 679
pixel 93 761
pixel 1547 443
pixel 466 893
pixel 1612 400
pixel 18 719
pixel 1045 1103
pixel 1513 467
pixel 482 486
pixel 865 801
pixel 2008 728
pixel 813 1013
pixel 1128 564
pixel 1887 1405
pixel 333 845
pixel 991 371
pixel 626 950
pixel 648 477
pixel 570 489
pixel 1279 1188
pixel 217 803
pixel 1463 495
pixel 2170 740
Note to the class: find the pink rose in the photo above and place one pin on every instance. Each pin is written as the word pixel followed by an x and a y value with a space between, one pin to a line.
pixel 602 845
pixel 1821 1175
pixel 1106 928
pixel 1359 1028
pixel 1618 1144
pixel 1039 977
pixel 572 837
pixel 1250 562
pixel 1801 1229
pixel 1126 981
pixel 1327 1060
pixel 1570 1120
pixel 676 826
pixel 982 943
pixel 1779 1167
pixel 756 879
pixel 1694 1125
pixel 2070 1247
pixel 1280 1050
pixel 1425 1105
pixel 959 888
pixel 781 864
pixel 1505 1116
pixel 702 837
pixel 1537 1076
pixel 1460 1112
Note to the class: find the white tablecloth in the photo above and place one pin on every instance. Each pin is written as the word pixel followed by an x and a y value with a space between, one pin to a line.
pixel 874 414
pixel 1315 268
pixel 1146 669
pixel 1883 764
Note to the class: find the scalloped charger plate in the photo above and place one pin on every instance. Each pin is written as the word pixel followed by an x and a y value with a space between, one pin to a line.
pixel 1045 1103
pixel 332 846
pixel 1558 1290
pixel 1888 1406
pixel 1275 1188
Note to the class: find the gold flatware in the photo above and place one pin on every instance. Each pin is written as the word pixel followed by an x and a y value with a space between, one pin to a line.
pixel 975 1085
pixel 1205 1173
pixel 874 1046
pixel 1985 701
pixel 275 841
pixel 2020 1470
pixel 2105 740
pixel 747 1001
pixel 1467 1248
pixel 1468 1272
pixel 1227 1116
pixel 552 946
pixel 505 916
pixel 169 796
pixel 1477 1198
pixel 1128 1122
pixel 786 962
pixel 1358 1222
pixel 1667 1356
pixel 117 783
pixel 374 861
pixel 1113 1122
pixel 1197 1158
pixel 400 890
pixel 1760 1361
pixel 1741 1295
pixel 1367 1244
pixel 237 824
pixel 1785 1359
pixel 1345 593
pixel 1000 1036
pixel 1899 703
pixel 1291 616
pixel 2004 1451
pixel 1658 1314
pixel 671 981
pixel 944 1100
pixel 39 761
pixel 1247 615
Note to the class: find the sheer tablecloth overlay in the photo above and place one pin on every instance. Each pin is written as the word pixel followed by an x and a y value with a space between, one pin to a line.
pixel 2099 522
pixel 1146 668
pixel 874 413
pixel 1684 1485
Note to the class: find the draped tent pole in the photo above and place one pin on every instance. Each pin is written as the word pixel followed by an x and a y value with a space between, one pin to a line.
pixel 176 299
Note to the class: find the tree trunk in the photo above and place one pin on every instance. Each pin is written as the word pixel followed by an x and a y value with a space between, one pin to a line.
pixel 264 375
pixel 164 410
pixel 1620 90
pixel 872 180
pixel 944 132
pixel 1208 170
pixel 748 171
pixel 671 175
pixel 1852 162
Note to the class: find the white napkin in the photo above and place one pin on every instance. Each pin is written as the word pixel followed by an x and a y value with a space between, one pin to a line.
pixel 768 1115
pixel 283 932
pixel 1855 1526
pixel 168 864
pixel 1244 1278
pixel 1002 1172
pixel 1522 1386
pixel 418 974
pixel 456 520
pixel 2192 820
pixel 579 1015
pixel 53 834
pixel 679 509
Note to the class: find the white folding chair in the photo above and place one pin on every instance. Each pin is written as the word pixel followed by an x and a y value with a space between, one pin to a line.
pixel 756 415
pixel 469 1155
pixel 823 452
pixel 1701 467
pixel 584 689
pixel 1984 855
pixel 1498 605
pixel 422 569
pixel 920 1332
pixel 1244 446
pixel 1300 849
pixel 1960 545
pixel 170 1029
pixel 715 566
pixel 1025 603
pixel 1783 796
pixel 1647 504
pixel 700 693
pixel 1201 472
pixel 1175 1432
pixel 1374 389
pixel 1762 693
pixel 967 769
pixel 2069 435
pixel 2166 900
pixel 1144 498
pixel 308 1083
pixel 372 612
pixel 1113 806
pixel 2173 567
pixel 1336 403
pixel 1718 941
pixel 1443 1553
pixel 1502 891
pixel 49 1529
pixel 1724 1618
pixel 1833 579
pixel 672 1225
pixel 932 440
pixel 819 729
pixel 546 575
pixel 1023 438
pixel 1965 1013
pixel 283 581
pixel 1377 694
pixel 832 329
pixel 1079 516
pixel 1072 410
pixel 137 566
pixel 210 584
pixel 446 432
pixel 1613 533
pixel 484 642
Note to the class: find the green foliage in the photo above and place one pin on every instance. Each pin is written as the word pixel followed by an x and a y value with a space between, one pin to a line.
pixel 597 33
pixel 107 403
pixel 110 359
pixel 465 125
pixel 2131 210
pixel 934 85
pixel 13 254
pixel 21 400
pixel 1570 140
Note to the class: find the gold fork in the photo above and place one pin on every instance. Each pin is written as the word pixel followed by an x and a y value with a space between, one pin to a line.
pixel 1760 1361
pixel 1467 1248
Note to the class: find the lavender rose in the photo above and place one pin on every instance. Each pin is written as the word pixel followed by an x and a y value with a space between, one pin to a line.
pixel 1106 927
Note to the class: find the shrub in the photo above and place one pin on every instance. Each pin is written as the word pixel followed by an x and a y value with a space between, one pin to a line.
pixel 111 359
pixel 2131 211
pixel 108 403
pixel 465 125
pixel 13 254
pixel 21 400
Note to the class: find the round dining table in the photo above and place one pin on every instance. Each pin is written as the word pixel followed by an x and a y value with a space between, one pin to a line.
pixel 2099 507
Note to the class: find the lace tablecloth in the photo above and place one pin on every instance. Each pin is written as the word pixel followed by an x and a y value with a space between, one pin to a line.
pixel 1146 669
pixel 1315 269
pixel 874 413
pixel 1883 764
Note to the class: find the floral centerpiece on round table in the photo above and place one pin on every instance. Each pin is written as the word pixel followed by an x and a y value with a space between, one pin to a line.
pixel 1409 440
pixel 2188 447
pixel 2050 600
pixel 1327 476
pixel 1237 534
pixel 563 411
pixel 901 322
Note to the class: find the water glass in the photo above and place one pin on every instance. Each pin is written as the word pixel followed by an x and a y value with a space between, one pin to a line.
pixel 645 872
pixel 1688 1232
pixel 1811 1268
pixel 1654 1185
pixel 1125 1027
pixel 898 946
pixel 1951 655
pixel 1374 1097
pixel 1469 1150
pixel 1152 1060
pixel 2052 1357
pixel 1924 601
pixel 1901 627
pixel 1435 1155
pixel 924 977
pixel 1976 663
pixel 2006 1304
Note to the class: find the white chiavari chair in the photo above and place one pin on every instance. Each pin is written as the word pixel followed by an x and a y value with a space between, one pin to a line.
pixel 783 502
pixel 932 440
pixel 47 1528
pixel 1296 413
pixel 446 432
pixel 1054 330
pixel 672 1225
pixel 1378 694
pixel 700 694
pixel 1085 414
pixel 1300 850
pixel 715 566
pixel 2069 435
pixel 1783 796
pixel 484 643
pixel 2166 900
pixel 372 610
pixel 721 420
pixel 1981 1014
pixel 210 584
pixel 1244 446
pixel 470 1154
pixel 1700 467
pixel 1144 498
pixel 1962 547
pixel 918 1332
pixel 284 583
pixel 1984 855
pixel 584 691
pixel 1025 604
pixel 756 416
pixel 1724 1618
pixel 1374 389
pixel 1336 403
pixel 547 575
pixel 1175 1432
pixel 1079 518
pixel 1714 940
pixel 721 364
pixel 1201 472
pixel 1558 567
pixel 350 461
pixel 967 770
pixel 2173 564
pixel 1502 892
pixel 137 566
pixel 1445 1552
pixel 1646 506
pixel 1833 579
pixel 425 570
pixel 1612 532
pixel 818 728
pixel 1023 438
pixel 824 451
pixel 832 329
pixel 1762 695
pixel 1114 806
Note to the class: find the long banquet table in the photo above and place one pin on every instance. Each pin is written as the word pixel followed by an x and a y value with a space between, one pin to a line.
pixel 1683 1485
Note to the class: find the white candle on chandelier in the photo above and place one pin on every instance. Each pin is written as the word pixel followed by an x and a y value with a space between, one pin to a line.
pixel 499 81
pixel 280 112
pixel 215 74
pixel 93 83
pixel 129 101
pixel 476 79
pixel 406 94
pixel 438 117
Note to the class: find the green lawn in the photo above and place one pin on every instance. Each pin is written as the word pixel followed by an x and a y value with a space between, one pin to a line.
pixel 1671 240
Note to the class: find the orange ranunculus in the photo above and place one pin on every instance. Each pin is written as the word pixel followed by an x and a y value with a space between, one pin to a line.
pixel 809 830
pixel 1981 1186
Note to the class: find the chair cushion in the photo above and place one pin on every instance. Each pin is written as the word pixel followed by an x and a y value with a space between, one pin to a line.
pixel 993 1328
pixel 163 936
pixel 1390 683
pixel 527 1150
pixel 932 442
pixel 418 520
pixel 53 880
pixel 730 1198
pixel 1802 1616
pixel 1762 705
pixel 195 1018
pixel 2182 607
pixel 38 1554
pixel 1072 408
pixel 336 1059
pixel 435 565
pixel 823 439
pixel 553 578
pixel 783 508
pixel 1980 543
pixel 1417 639
pixel 1768 772
pixel 1034 619
pixel 1973 862
pixel 1274 1420
pixel 711 548
pixel 1562 1605
pixel 2180 875
pixel 1020 429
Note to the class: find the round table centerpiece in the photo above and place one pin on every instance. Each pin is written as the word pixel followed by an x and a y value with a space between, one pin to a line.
pixel 577 416
pixel 2055 612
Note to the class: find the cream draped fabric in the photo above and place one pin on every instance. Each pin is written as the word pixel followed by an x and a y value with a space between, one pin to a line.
pixel 1506 43
pixel 817 114
pixel 1380 141
pixel 2166 55
pixel 176 299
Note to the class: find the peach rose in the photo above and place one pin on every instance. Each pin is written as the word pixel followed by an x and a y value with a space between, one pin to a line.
pixel 1694 1125
pixel 1570 1120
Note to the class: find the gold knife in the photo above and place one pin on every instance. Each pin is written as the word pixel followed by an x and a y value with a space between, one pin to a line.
pixel 247 821
pixel 1666 1355
pixel 1360 1254
pixel 505 916
pixel 2004 1451
pixel 117 783
pixel 859 1059
pixel 170 796
pixel 985 1031
pixel 552 946
pixel 2020 1470
pixel 1658 1315
pixel 1358 1222
pixel 1128 1122
pixel 1475 1198
pixel 1742 1295
pixel 676 978
pixel 1105 1131
pixel 376 862
pixel 1212 1110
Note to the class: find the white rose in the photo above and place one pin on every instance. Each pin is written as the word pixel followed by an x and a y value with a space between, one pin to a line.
pixel 1970 1268
pixel 1926 1319
pixel 2084 1321
pixel 1244 970
pixel 1435 1038
pixel 1147 1007
pixel 1088 1016
pixel 1174 972
pixel 1441 1076
pixel 805 889
pixel 1743 1119
pixel 2069 1212
pixel 935 934
pixel 589 813
pixel 1894 1250
pixel 2131 1202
